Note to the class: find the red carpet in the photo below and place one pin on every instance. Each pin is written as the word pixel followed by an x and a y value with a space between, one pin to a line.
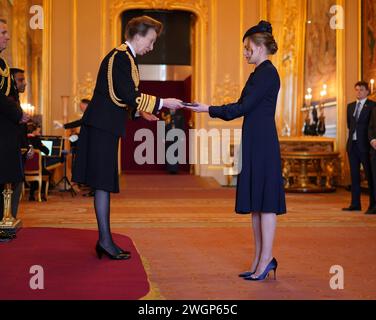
pixel 71 269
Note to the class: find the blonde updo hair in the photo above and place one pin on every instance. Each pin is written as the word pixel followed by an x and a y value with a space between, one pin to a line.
pixel 262 34
pixel 265 39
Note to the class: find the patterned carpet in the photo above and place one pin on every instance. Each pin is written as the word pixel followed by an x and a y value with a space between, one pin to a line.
pixel 193 245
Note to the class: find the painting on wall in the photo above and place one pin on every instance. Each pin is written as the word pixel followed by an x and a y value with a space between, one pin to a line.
pixel 320 57
pixel 368 40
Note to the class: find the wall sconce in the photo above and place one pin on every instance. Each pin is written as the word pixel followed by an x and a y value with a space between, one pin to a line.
pixel 308 97
pixel 28 109
pixel 324 91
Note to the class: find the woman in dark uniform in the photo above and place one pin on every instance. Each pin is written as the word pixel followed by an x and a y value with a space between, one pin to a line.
pixel 260 189
pixel 116 96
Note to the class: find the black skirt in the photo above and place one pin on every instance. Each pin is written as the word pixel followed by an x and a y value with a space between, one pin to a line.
pixel 96 163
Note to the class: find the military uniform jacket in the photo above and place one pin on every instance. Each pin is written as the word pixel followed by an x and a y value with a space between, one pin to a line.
pixel 10 116
pixel 116 94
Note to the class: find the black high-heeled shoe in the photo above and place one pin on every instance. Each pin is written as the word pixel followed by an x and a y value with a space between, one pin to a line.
pixel 101 251
pixel 271 266
pixel 122 251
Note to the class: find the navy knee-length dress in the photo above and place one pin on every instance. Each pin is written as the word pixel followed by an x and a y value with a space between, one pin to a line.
pixel 260 187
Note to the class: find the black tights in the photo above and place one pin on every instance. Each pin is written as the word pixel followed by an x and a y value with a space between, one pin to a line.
pixel 102 211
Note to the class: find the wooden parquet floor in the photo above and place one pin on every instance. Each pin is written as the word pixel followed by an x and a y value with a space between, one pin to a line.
pixel 194 245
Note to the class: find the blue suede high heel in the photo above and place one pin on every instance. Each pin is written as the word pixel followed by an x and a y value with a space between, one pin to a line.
pixel 246 274
pixel 271 266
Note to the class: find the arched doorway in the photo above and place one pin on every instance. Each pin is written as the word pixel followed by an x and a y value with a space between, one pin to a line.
pixel 165 72
pixel 200 67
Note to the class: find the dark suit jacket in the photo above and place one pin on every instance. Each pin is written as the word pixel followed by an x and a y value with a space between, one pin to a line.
pixel 372 126
pixel 361 126
pixel 73 124
pixel 116 94
pixel 10 159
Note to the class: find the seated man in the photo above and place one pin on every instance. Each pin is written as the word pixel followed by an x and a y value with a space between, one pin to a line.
pixel 34 139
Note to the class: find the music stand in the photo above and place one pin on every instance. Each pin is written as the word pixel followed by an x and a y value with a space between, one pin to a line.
pixel 65 179
pixel 59 156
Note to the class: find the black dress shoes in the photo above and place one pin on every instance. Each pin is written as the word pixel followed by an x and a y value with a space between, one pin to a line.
pixel 371 210
pixel 124 252
pixel 352 208
pixel 102 251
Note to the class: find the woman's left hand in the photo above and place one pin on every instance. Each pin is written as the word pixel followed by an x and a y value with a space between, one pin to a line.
pixel 199 107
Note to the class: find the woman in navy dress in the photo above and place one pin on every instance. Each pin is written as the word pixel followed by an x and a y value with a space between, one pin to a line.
pixel 260 188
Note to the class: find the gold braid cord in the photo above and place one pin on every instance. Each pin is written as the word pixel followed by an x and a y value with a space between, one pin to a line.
pixel 111 90
pixel 145 102
pixel 135 73
pixel 5 75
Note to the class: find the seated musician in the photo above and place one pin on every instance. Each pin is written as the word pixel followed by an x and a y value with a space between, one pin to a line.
pixel 34 133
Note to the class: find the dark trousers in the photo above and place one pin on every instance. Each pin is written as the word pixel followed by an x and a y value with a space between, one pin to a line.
pixel 357 158
pixel 373 169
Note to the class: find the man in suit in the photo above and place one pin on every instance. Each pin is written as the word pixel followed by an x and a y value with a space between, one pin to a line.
pixel 372 140
pixel 20 83
pixel 174 119
pixel 76 124
pixel 358 146
pixel 11 115
pixel 74 137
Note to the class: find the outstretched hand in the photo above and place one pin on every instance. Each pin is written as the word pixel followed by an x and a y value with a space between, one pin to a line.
pixel 172 103
pixel 148 116
pixel 199 108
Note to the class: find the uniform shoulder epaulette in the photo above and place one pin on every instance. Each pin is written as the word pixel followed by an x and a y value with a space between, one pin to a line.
pixel 5 77
pixel 122 47
pixel 135 74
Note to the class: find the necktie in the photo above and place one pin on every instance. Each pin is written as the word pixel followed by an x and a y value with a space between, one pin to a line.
pixel 357 111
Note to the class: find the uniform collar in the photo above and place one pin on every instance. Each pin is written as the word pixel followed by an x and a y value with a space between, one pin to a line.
pixel 131 48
